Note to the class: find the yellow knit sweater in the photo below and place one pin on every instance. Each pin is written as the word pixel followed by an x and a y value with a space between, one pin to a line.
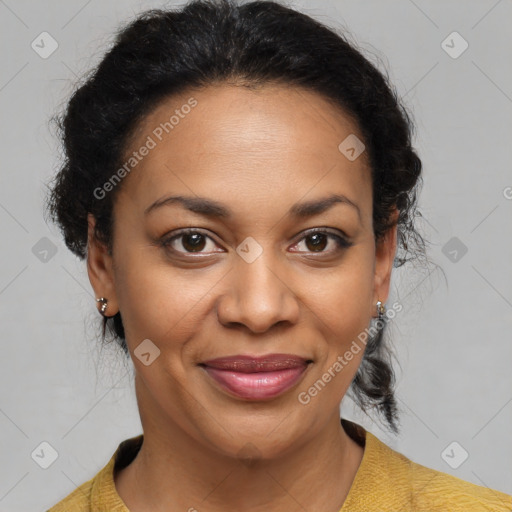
pixel 386 481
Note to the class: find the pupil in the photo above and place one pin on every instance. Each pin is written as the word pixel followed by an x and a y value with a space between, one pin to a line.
pixel 193 242
pixel 318 241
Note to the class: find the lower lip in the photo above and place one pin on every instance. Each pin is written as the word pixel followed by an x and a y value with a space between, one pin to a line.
pixel 258 385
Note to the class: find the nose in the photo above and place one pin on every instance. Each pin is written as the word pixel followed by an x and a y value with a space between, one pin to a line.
pixel 258 295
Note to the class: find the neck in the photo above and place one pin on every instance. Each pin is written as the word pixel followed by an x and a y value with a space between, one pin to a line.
pixel 173 471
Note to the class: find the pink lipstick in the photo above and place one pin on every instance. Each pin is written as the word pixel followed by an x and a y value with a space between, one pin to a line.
pixel 256 378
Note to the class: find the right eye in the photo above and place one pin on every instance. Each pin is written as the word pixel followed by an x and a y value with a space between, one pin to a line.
pixel 191 240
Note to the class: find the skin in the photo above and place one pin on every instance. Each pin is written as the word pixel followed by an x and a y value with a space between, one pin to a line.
pixel 258 152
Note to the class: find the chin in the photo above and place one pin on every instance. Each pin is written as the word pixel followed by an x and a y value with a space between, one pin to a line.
pixel 254 437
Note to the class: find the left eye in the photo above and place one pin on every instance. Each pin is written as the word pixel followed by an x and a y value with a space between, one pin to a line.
pixel 316 241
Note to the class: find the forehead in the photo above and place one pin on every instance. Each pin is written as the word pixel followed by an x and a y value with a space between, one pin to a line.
pixel 241 144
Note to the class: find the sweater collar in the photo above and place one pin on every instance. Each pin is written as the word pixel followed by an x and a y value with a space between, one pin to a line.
pixel 372 480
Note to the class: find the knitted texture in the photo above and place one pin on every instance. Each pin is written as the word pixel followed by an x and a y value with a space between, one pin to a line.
pixel 386 481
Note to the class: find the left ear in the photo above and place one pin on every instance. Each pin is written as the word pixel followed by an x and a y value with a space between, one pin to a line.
pixel 385 252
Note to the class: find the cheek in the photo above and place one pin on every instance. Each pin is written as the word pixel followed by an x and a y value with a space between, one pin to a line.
pixel 342 306
pixel 160 302
pixel 343 298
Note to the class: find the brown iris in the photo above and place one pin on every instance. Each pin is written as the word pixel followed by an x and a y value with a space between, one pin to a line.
pixel 193 241
pixel 319 241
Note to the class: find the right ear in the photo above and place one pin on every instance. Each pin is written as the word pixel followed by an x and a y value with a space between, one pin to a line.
pixel 99 268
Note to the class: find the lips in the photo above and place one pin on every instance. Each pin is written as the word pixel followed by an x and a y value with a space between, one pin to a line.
pixel 256 378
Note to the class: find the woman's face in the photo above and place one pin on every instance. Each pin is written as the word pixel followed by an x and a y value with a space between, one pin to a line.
pixel 252 279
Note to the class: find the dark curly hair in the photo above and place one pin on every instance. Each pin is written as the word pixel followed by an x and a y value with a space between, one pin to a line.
pixel 165 52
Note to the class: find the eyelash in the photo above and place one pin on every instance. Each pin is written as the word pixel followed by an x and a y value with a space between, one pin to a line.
pixel 341 242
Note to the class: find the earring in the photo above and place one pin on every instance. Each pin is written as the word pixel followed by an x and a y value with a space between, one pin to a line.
pixel 381 309
pixel 103 304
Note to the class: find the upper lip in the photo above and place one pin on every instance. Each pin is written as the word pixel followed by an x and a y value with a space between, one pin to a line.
pixel 253 364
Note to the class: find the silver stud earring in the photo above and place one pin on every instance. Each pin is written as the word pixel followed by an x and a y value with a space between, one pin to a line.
pixel 103 304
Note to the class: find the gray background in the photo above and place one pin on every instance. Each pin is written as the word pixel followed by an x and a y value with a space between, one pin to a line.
pixel 453 339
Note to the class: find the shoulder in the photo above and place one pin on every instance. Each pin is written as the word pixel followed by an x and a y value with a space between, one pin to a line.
pixel 99 493
pixel 430 490
pixel 388 481
pixel 435 491
pixel 77 501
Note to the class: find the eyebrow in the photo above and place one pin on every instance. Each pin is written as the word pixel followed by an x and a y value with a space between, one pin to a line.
pixel 210 208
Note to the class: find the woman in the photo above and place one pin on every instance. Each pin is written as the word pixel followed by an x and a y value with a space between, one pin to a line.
pixel 241 182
